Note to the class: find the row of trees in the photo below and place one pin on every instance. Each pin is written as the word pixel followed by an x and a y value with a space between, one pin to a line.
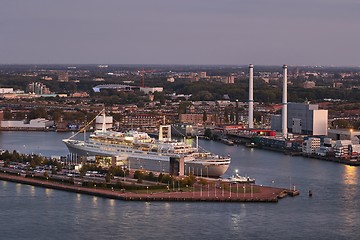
pixel 34 160
pixel 165 178
pixel 202 90
pixel 55 114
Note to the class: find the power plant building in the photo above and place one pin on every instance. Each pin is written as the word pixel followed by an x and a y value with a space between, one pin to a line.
pixel 303 118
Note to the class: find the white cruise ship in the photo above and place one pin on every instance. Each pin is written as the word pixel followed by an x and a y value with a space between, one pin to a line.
pixel 140 151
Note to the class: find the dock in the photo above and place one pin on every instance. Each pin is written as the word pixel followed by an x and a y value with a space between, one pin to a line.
pixel 237 193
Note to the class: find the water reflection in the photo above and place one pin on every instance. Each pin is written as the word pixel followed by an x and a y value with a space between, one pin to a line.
pixel 112 203
pixel 78 198
pixel 32 191
pixel 95 201
pixel 111 210
pixel 238 218
pixel 350 198
pixel 48 192
pixel 168 211
pixel 147 208
pixel 18 189
pixel 350 175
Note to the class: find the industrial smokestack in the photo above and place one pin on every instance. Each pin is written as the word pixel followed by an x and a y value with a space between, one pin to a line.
pixel 251 96
pixel 284 104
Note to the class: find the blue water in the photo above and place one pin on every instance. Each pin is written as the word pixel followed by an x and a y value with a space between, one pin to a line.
pixel 332 213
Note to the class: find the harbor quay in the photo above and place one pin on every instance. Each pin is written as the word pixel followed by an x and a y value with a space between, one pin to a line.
pixel 227 192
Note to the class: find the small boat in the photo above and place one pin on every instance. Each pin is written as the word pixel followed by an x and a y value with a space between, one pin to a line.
pixel 240 179
pixel 227 141
pixel 250 145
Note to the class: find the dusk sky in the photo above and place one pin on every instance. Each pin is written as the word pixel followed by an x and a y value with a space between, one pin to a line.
pixel 262 32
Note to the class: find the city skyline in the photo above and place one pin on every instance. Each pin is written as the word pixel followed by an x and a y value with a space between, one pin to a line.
pixel 198 32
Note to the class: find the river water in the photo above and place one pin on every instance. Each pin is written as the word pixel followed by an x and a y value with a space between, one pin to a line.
pixel 333 212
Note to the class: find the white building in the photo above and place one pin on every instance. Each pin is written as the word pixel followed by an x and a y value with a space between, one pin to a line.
pixel 6 90
pixel 170 79
pixel 34 124
pixel 311 145
pixel 100 120
pixel 148 90
pixel 342 148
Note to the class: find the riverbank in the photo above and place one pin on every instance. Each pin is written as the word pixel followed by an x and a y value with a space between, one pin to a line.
pixel 236 193
pixel 249 142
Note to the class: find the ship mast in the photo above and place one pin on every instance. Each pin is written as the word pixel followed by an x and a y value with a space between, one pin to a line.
pixel 84 128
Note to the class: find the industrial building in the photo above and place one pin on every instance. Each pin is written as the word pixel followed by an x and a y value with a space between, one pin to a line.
pixel 38 88
pixel 343 134
pixel 127 88
pixel 34 124
pixel 118 87
pixel 303 118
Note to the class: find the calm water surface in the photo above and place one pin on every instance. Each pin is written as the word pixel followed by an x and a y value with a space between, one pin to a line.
pixel 332 213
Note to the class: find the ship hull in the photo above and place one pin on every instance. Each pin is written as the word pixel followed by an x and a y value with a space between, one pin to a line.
pixel 204 170
pixel 151 161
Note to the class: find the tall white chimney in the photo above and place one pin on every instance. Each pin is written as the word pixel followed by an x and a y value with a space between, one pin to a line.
pixel 284 104
pixel 251 96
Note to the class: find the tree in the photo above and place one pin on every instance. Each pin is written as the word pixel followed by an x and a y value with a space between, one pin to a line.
pixel 342 123
pixel 7 114
pixel 107 177
pixel 39 112
pixel 159 96
pixel 226 116
pixel 138 175
pixel 204 117
pixel 183 106
pixel 232 116
pixel 208 133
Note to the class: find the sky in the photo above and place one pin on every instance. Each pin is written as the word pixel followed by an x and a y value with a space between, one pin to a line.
pixel 200 32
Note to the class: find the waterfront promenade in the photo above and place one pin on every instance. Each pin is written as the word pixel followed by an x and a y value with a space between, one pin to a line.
pixel 238 193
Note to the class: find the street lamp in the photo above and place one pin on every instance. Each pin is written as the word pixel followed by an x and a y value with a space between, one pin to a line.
pixel 147 190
